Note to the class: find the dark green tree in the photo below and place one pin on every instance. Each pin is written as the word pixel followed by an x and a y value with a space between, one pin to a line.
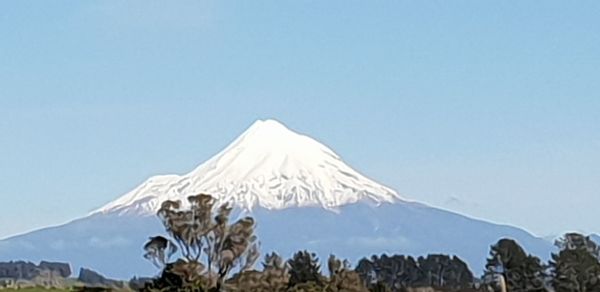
pixel 521 271
pixel 576 267
pixel 304 268
pixel 440 270
pixel 395 272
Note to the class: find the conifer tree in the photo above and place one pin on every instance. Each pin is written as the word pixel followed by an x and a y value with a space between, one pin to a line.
pixel 576 267
pixel 304 268
pixel 521 272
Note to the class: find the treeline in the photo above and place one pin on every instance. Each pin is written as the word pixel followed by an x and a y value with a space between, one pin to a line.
pixel 218 255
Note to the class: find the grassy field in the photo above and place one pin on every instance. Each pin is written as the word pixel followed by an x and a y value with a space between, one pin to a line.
pixel 40 289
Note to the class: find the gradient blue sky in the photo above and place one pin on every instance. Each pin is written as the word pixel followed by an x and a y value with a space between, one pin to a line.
pixel 488 108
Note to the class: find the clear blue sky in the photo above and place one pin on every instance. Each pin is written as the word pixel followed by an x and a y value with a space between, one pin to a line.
pixel 490 108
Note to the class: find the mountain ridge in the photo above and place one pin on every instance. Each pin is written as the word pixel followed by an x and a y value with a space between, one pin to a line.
pixel 268 165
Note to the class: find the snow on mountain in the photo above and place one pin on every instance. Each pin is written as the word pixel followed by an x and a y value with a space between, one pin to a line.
pixel 269 166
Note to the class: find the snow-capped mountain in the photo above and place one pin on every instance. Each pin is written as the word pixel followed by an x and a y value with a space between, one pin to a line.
pixel 268 166
pixel 300 192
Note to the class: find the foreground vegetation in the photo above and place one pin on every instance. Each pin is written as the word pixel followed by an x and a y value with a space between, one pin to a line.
pixel 204 251
pixel 216 255
pixel 38 289
pixel 71 289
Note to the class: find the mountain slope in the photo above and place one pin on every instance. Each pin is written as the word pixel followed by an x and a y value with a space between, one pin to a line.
pixel 302 195
pixel 268 166
pixel 111 243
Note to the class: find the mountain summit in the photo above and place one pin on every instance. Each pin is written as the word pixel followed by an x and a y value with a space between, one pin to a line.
pixel 269 166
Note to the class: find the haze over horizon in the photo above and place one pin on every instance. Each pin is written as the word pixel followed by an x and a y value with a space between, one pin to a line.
pixel 487 110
